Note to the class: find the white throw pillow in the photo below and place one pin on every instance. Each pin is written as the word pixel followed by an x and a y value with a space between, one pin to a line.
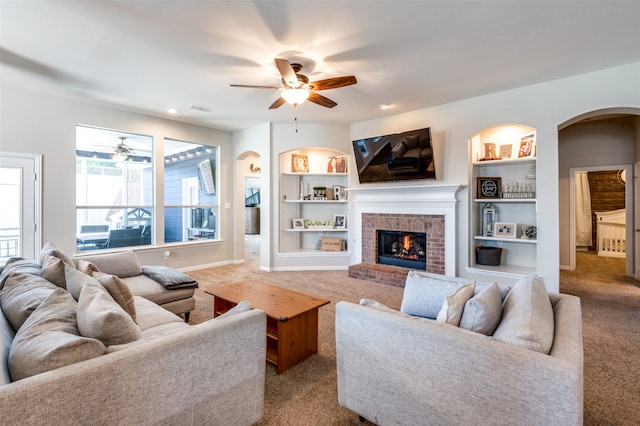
pixel 453 306
pixel 482 313
pixel 527 316
pixel 424 293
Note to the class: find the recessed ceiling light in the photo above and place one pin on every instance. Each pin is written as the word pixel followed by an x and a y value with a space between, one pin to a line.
pixel 384 106
pixel 173 111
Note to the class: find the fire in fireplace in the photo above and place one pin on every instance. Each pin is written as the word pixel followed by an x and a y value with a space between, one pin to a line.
pixel 405 249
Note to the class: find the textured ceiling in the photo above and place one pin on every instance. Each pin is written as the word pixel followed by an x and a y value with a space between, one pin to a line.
pixel 150 56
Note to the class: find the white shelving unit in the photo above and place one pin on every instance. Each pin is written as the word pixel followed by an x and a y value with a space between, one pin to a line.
pixel 295 187
pixel 519 255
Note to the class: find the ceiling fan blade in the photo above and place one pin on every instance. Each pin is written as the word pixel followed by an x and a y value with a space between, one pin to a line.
pixel 286 71
pixel 321 100
pixel 333 83
pixel 278 103
pixel 250 86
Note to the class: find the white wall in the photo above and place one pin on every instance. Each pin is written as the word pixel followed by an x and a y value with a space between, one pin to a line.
pixel 248 145
pixel 543 106
pixel 589 144
pixel 41 124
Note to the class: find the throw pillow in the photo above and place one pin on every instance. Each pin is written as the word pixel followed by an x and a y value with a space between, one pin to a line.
pixel 21 295
pixel 424 293
pixel 120 292
pixel 100 317
pixel 243 306
pixel 482 313
pixel 50 249
pixel 86 267
pixel 527 316
pixel 76 280
pixel 49 339
pixel 122 264
pixel 53 270
pixel 453 305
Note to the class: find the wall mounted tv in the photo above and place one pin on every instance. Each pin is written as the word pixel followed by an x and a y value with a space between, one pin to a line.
pixel 395 157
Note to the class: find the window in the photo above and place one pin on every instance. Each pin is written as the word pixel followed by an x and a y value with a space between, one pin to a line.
pixel 190 195
pixel 114 189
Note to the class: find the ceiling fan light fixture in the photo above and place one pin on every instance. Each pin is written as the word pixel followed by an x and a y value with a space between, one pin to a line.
pixel 295 96
pixel 119 156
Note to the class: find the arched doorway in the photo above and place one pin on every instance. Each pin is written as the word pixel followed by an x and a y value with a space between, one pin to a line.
pixel 248 188
pixel 596 142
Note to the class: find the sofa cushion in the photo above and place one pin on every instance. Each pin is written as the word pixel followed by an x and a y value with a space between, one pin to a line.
pixel 144 286
pixel 50 249
pixel 527 316
pixel 424 293
pixel 482 313
pixel 18 264
pixel 412 141
pixel 53 270
pixel 119 291
pixel 21 295
pixel 453 305
pixel 76 280
pixel 100 317
pixel 6 337
pixel 151 315
pixel 49 339
pixel 399 150
pixel 121 264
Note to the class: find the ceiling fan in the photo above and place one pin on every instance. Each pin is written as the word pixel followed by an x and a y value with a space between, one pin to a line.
pixel 121 150
pixel 297 88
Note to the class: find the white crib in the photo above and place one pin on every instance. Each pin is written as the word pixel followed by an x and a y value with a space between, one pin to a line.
pixel 611 232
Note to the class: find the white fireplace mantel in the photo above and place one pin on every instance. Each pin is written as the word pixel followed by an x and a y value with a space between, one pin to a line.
pixel 414 199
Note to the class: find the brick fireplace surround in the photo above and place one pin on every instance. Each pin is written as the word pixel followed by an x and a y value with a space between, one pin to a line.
pixel 428 209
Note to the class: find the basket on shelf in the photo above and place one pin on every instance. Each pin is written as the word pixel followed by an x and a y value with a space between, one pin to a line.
pixel 489 256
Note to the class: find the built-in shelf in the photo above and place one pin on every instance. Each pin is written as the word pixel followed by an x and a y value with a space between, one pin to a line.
pixel 295 189
pixel 505 200
pixel 519 256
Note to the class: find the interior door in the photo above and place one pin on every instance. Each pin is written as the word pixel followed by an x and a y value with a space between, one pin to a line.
pixel 20 214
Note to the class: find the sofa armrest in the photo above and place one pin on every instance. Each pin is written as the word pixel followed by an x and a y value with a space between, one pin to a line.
pixel 212 373
pixel 393 369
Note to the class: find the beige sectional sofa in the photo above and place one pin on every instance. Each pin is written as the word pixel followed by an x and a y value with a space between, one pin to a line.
pixel 89 352
pixel 517 357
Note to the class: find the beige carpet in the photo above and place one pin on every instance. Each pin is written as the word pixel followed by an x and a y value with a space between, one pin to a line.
pixel 307 393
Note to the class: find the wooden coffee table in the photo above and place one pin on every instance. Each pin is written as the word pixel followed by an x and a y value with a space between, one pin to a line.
pixel 292 318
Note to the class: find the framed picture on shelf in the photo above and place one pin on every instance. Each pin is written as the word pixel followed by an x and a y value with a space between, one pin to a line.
pixel 489 187
pixel 505 151
pixel 339 193
pixel 505 230
pixel 527 145
pixel 299 163
pixel 298 223
pixel 337 164
pixel 339 221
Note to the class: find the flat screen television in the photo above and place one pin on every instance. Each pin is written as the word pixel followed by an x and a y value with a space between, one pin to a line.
pixel 251 197
pixel 395 157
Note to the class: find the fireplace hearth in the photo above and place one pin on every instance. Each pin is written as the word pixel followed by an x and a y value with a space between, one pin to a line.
pixel 400 248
